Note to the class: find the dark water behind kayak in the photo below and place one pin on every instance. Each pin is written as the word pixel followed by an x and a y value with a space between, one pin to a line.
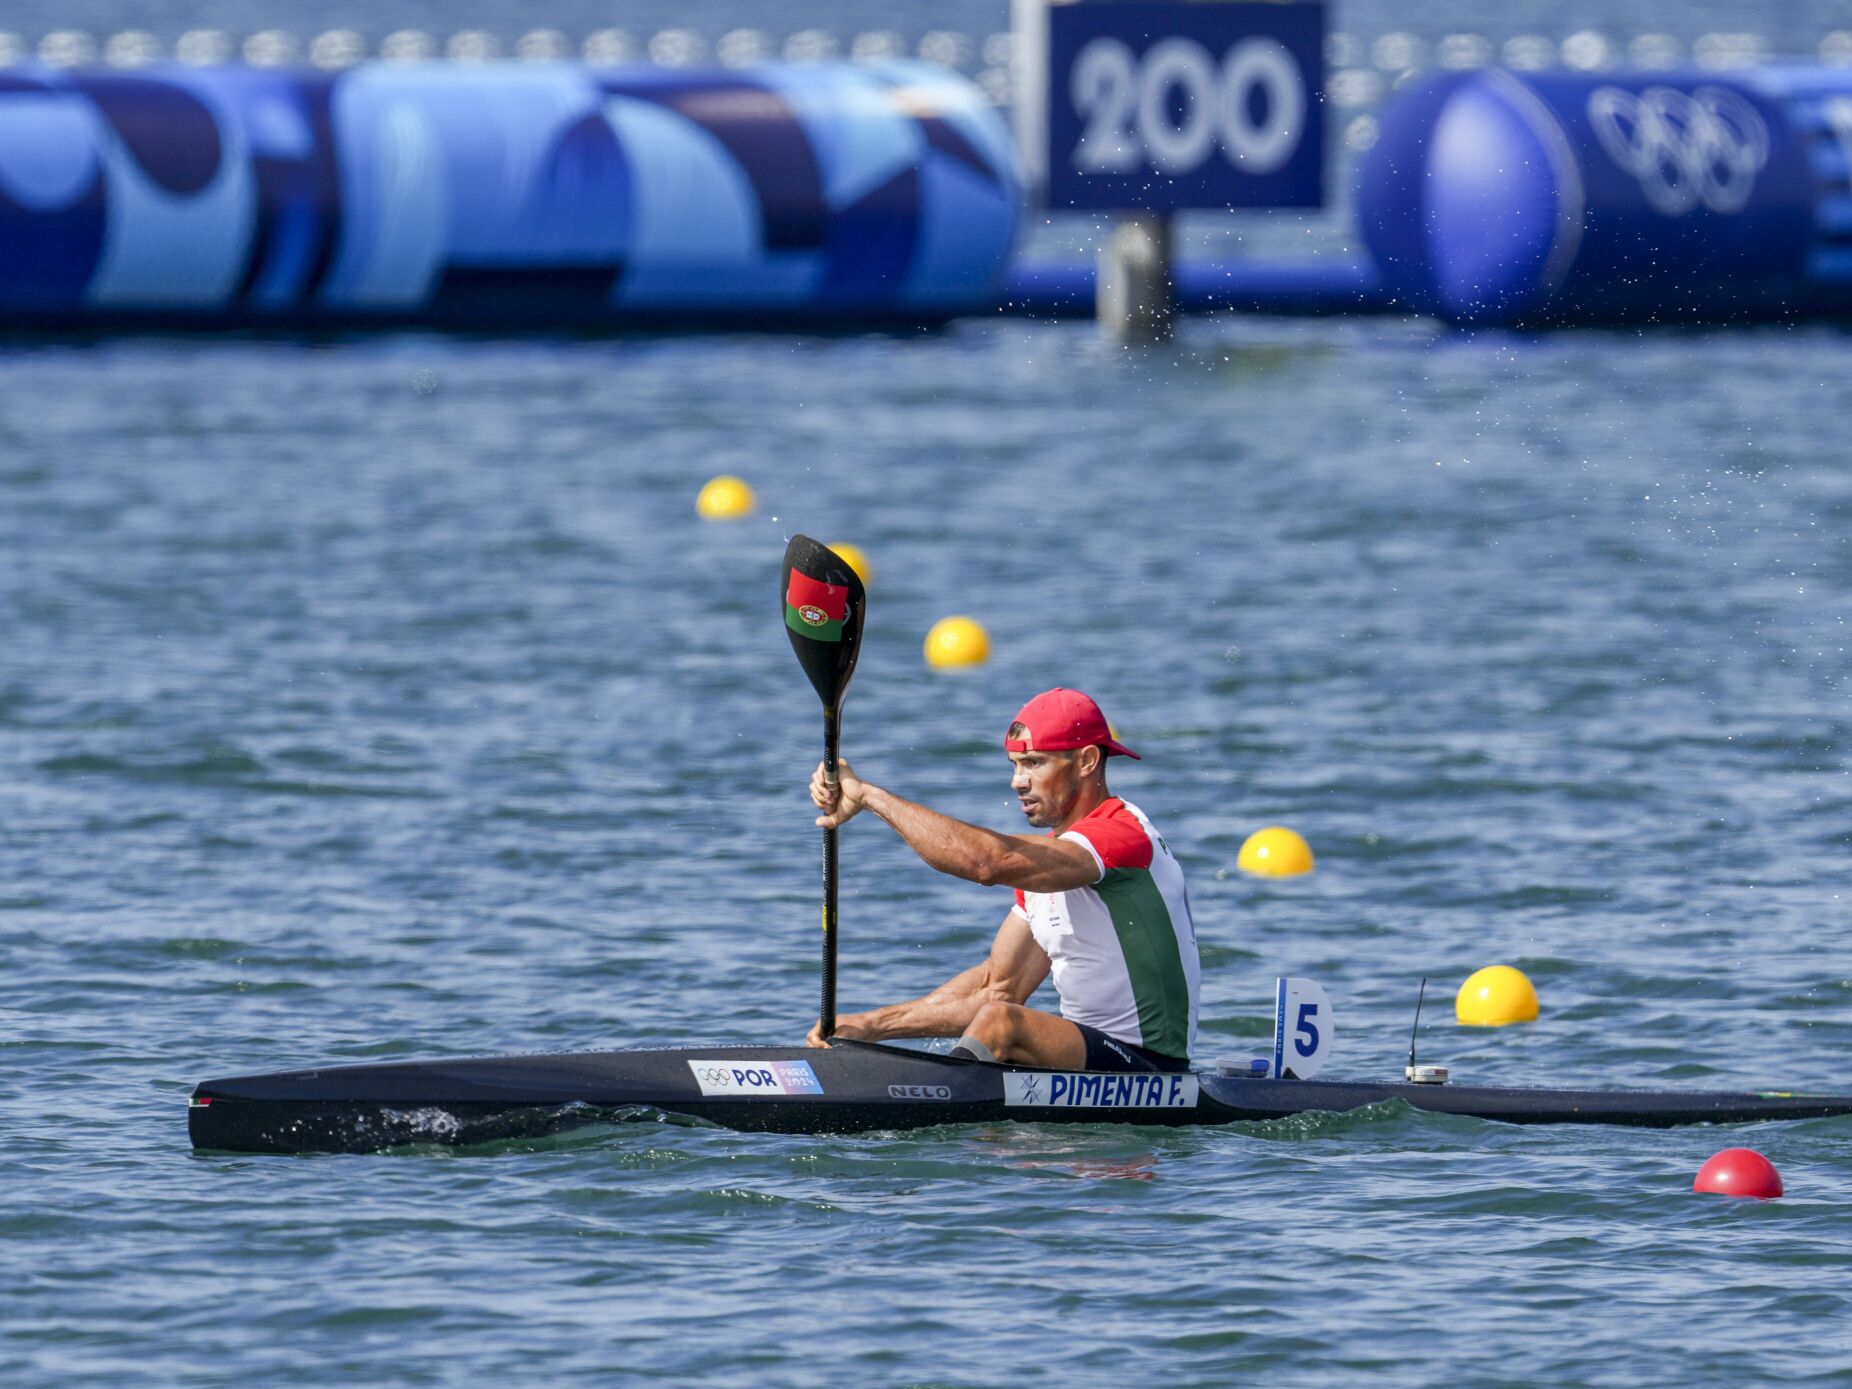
pixel 387 699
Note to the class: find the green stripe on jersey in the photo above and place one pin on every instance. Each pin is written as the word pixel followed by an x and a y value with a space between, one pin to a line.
pixel 1148 940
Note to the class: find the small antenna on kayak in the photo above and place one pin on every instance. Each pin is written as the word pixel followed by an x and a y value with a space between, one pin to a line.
pixel 1415 1031
pixel 1421 1075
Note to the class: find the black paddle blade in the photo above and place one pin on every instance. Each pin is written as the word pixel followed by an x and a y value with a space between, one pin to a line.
pixel 824 605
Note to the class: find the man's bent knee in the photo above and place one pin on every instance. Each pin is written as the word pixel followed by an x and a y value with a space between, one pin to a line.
pixel 991 1034
pixel 994 1023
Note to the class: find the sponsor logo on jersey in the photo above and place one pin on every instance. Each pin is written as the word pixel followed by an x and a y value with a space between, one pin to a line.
pixel 919 1092
pixel 723 1077
pixel 1097 1090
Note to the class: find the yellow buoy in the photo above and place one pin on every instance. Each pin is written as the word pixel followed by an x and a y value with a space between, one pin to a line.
pixel 1275 852
pixel 852 556
pixel 1495 996
pixel 725 499
pixel 957 641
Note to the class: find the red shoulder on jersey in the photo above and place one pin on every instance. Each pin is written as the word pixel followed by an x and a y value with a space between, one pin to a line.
pixel 1116 835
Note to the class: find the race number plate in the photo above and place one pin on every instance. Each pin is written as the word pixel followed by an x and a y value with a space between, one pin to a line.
pixel 1301 1028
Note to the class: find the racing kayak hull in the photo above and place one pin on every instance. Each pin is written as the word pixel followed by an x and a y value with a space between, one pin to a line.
pixel 849 1088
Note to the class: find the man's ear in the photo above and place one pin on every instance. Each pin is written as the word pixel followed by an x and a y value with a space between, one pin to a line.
pixel 1089 768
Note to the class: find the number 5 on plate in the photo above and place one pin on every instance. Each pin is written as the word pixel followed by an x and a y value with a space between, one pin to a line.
pixel 1302 1029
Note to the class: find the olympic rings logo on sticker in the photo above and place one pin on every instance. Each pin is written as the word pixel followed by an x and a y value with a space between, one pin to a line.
pixel 1702 149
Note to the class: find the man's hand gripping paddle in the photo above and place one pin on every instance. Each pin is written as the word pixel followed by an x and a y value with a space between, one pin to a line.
pixel 824 605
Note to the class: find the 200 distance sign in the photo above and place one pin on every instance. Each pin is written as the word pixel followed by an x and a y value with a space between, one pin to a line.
pixel 1163 106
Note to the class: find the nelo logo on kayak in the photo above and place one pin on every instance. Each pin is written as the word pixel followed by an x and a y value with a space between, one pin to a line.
pixel 767 1078
pixel 1093 1090
pixel 919 1092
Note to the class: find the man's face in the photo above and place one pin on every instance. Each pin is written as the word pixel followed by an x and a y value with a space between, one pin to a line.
pixel 1047 784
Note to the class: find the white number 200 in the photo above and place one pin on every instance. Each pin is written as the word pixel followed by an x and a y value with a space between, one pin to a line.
pixel 1125 103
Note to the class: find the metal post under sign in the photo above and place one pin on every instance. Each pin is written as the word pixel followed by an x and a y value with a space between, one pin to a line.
pixel 1133 294
pixel 1150 107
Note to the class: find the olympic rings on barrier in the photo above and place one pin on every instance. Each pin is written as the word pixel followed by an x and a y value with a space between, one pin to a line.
pixel 1703 148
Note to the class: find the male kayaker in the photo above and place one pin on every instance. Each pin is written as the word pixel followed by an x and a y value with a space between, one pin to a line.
pixel 1100 902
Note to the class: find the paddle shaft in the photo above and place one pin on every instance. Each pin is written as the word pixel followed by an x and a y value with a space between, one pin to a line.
pixel 826 1016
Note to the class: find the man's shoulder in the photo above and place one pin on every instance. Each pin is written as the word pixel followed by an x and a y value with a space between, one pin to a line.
pixel 1119 834
pixel 1119 812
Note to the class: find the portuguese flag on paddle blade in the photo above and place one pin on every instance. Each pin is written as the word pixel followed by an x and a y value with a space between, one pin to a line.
pixel 815 609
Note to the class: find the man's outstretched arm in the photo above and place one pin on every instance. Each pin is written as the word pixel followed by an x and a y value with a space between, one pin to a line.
pixel 1016 968
pixel 971 852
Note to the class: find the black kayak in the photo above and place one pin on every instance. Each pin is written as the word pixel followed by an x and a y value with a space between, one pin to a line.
pixel 850 1087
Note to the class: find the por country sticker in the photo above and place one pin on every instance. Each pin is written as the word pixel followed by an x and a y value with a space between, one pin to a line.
pixel 721 1077
pixel 1094 1090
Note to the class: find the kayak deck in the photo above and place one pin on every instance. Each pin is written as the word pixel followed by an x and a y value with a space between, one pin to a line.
pixel 850 1087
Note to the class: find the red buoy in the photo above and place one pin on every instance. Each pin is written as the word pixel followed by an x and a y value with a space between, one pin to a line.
pixel 1739 1172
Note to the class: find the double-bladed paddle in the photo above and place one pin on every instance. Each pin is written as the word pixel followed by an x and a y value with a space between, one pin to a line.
pixel 824 607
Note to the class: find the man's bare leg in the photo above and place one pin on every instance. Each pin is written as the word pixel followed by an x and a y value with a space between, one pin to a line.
pixel 1011 1032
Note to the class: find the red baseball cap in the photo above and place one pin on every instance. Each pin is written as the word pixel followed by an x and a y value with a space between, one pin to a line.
pixel 1059 720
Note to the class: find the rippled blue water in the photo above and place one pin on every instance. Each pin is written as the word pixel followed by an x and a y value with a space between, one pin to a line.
pixel 386 698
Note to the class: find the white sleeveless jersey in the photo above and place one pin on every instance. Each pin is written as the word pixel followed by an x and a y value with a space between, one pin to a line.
pixel 1124 949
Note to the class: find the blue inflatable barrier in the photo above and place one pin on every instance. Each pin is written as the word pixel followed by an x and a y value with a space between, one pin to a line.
pixel 499 195
pixel 1308 288
pixel 1503 198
